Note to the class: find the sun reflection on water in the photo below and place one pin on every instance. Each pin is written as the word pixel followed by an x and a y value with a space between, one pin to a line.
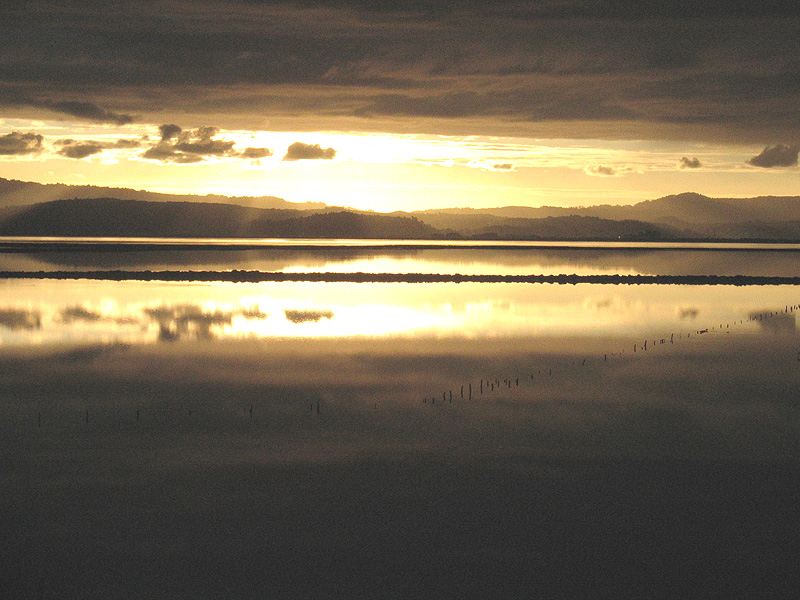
pixel 65 312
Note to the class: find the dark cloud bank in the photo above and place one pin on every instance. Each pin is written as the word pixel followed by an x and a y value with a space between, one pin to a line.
pixel 675 69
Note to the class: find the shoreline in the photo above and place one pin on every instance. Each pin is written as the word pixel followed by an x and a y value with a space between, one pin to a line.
pixel 242 276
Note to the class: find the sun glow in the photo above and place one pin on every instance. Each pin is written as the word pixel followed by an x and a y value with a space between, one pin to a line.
pixel 382 171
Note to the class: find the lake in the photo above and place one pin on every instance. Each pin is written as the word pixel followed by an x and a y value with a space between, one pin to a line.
pixel 408 256
pixel 394 440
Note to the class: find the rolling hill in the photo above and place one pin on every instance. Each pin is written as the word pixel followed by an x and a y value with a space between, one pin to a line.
pixel 133 213
pixel 112 217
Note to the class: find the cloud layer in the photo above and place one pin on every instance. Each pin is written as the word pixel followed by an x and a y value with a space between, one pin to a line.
pixel 576 69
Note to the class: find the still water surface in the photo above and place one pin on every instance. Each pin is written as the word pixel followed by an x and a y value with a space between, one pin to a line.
pixel 370 256
pixel 465 440
pixel 69 312
pixel 38 311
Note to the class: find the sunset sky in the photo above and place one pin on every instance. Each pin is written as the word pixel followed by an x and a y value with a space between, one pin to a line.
pixel 394 104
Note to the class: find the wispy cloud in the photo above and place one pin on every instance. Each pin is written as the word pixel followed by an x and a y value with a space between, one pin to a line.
pixel 488 165
pixel 79 149
pixel 87 110
pixel 607 171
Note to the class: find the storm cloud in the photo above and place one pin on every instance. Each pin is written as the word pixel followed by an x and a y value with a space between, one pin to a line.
pixel 576 69
pixel 776 156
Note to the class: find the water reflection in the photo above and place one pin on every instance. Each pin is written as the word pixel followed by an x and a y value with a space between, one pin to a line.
pixel 43 311
pixel 20 319
pixel 307 316
pixel 468 261
pixel 385 417
pixel 775 322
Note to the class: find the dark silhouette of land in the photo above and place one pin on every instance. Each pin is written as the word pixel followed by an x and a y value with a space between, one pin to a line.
pixel 112 217
pixel 28 209
pixel 239 276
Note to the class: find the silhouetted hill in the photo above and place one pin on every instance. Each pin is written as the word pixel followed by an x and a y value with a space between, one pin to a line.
pixel 682 216
pixel 346 224
pixel 688 215
pixel 112 217
pixel 136 218
pixel 18 193
pixel 575 228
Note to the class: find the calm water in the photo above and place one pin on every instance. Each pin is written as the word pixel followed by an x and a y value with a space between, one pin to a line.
pixel 413 257
pixel 471 440
pixel 34 312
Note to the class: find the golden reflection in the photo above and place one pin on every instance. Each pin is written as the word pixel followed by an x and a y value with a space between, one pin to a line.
pixel 63 312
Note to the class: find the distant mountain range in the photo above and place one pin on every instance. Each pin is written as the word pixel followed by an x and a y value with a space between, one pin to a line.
pixel 30 209
pixel 20 193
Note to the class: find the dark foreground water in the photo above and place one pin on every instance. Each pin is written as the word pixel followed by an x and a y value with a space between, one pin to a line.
pixel 321 440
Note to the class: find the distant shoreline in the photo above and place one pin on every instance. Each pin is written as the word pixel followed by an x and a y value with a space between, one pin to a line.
pixel 61 244
pixel 238 276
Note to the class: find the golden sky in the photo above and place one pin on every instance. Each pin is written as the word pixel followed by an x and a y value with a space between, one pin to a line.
pixel 404 105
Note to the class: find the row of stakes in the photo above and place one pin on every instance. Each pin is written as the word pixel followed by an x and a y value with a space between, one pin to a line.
pixel 495 384
pixel 490 385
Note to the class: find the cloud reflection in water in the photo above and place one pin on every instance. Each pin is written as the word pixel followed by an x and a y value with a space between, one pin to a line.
pixel 87 312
